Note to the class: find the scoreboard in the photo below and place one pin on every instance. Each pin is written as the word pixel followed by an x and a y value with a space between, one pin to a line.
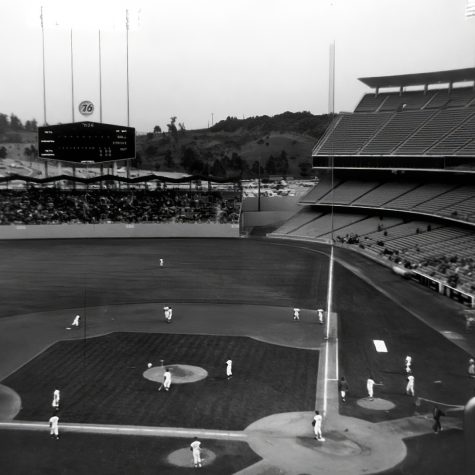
pixel 86 142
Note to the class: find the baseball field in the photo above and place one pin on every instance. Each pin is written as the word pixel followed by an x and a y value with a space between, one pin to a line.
pixel 232 299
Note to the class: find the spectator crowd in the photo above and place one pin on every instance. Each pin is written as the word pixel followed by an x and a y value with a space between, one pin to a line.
pixel 57 206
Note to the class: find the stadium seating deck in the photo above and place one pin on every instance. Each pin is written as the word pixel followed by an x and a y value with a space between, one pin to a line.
pixel 347 192
pixel 352 132
pixel 439 125
pixel 398 129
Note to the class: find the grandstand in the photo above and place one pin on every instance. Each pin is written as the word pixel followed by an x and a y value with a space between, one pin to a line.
pixel 396 179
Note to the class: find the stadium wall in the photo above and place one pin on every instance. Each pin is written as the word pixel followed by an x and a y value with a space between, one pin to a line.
pixel 265 218
pixel 119 230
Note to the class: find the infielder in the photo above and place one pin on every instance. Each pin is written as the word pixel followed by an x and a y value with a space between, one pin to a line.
pixel 296 314
pixel 410 385
pixel 317 426
pixel 161 262
pixel 76 320
pixel 53 424
pixel 229 369
pixel 167 379
pixel 195 447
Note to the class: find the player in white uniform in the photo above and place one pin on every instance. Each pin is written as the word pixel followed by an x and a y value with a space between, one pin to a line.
pixel 410 385
pixel 296 314
pixel 317 426
pixel 369 386
pixel 408 364
pixel 76 320
pixel 195 447
pixel 167 313
pixel 161 262
pixel 167 379
pixel 56 397
pixel 53 425
pixel 229 369
pixel 320 315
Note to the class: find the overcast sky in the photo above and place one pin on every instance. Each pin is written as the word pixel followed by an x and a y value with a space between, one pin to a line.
pixel 195 58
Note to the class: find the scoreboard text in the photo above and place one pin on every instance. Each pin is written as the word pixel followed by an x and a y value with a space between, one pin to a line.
pixel 86 141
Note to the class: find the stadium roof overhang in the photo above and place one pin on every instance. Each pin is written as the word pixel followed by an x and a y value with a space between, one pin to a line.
pixel 421 79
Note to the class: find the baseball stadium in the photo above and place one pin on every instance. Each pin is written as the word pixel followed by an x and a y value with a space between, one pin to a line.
pixel 381 244
pixel 159 322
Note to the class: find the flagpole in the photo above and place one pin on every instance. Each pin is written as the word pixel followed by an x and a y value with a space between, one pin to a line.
pixel 127 46
pixel 100 79
pixel 72 76
pixel 44 74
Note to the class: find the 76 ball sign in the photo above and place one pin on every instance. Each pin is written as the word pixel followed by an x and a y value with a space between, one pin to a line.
pixel 86 107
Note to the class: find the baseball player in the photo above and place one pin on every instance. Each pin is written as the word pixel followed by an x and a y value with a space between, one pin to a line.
pixel 370 387
pixel 436 414
pixel 76 320
pixel 408 364
pixel 320 316
pixel 195 447
pixel 296 314
pixel 229 369
pixel 167 379
pixel 317 426
pixel 167 313
pixel 471 368
pixel 53 424
pixel 410 385
pixel 161 262
pixel 56 397
pixel 343 387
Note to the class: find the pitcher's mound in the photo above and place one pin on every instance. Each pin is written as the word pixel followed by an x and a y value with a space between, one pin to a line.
pixel 184 458
pixel 181 373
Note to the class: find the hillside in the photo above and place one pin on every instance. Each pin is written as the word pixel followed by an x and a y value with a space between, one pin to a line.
pixel 282 143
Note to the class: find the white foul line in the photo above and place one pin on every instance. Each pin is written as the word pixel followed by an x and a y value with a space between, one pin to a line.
pixel 327 331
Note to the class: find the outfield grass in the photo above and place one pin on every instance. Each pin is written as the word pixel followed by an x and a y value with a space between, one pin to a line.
pixel 59 274
pixel 101 381
pixel 25 452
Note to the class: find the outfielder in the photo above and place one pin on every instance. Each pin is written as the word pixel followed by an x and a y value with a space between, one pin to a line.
pixel 56 397
pixel 408 364
pixel 76 320
pixel 296 314
pixel 229 369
